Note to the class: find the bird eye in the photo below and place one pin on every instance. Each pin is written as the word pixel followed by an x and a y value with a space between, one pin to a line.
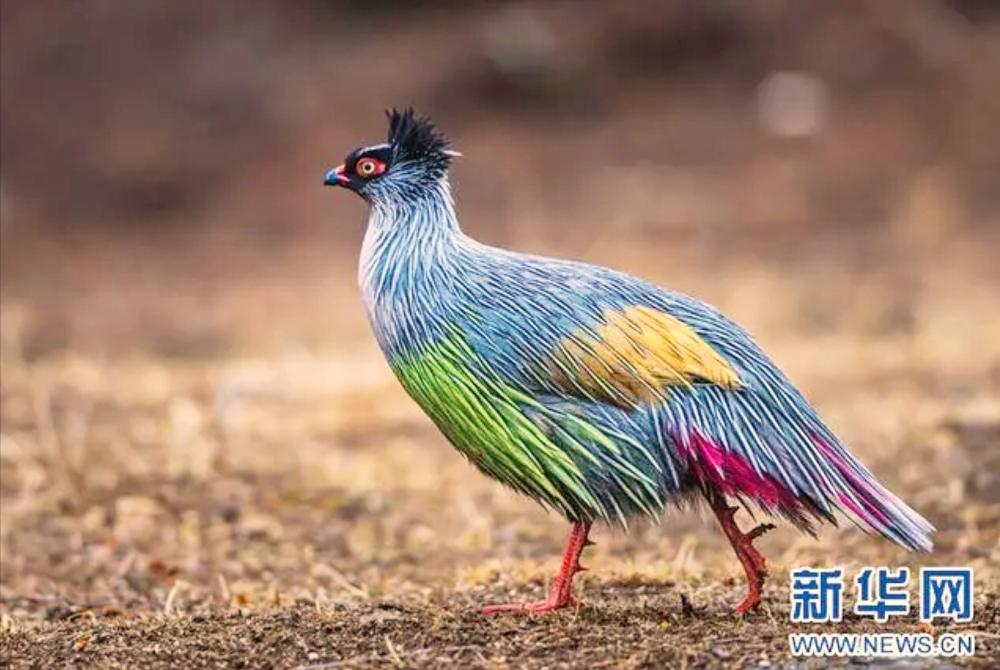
pixel 369 167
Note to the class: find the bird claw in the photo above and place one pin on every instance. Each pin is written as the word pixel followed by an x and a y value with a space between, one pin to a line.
pixel 561 593
pixel 750 604
pixel 538 607
pixel 760 530
pixel 754 564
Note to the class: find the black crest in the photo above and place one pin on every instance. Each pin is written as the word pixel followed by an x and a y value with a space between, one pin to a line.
pixel 415 137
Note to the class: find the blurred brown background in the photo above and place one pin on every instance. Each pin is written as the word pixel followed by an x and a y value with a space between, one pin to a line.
pixel 195 419
pixel 161 162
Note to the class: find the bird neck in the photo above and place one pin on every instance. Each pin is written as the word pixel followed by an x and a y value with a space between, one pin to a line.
pixel 426 211
pixel 410 241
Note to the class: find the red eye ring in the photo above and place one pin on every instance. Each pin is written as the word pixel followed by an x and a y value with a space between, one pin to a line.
pixel 369 167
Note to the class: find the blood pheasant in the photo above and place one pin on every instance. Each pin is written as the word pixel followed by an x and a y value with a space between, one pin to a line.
pixel 600 395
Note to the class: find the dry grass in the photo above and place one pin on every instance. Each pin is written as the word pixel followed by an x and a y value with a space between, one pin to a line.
pixel 298 511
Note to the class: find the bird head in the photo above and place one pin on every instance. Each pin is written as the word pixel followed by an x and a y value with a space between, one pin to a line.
pixel 414 158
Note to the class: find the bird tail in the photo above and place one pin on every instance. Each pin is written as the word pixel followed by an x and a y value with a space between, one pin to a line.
pixel 772 449
pixel 871 505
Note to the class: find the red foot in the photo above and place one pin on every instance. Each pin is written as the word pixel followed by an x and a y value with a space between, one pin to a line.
pixel 561 594
pixel 549 605
pixel 753 562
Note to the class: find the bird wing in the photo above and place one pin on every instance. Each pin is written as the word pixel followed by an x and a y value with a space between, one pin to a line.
pixel 636 354
pixel 586 337
pixel 589 333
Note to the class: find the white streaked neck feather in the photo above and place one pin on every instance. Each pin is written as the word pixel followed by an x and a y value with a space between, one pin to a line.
pixel 406 237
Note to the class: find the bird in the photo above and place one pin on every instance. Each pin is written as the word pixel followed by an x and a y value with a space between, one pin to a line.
pixel 603 397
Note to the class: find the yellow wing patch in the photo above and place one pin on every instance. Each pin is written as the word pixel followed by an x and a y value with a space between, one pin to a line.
pixel 636 354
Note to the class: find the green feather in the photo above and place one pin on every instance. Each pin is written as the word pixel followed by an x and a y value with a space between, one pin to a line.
pixel 486 419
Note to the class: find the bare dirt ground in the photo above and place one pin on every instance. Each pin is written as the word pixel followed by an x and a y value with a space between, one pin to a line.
pixel 204 462
pixel 296 510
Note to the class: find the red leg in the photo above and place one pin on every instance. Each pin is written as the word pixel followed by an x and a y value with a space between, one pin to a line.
pixel 753 562
pixel 561 594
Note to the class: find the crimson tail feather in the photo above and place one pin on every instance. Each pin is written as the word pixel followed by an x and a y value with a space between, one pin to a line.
pixel 776 455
